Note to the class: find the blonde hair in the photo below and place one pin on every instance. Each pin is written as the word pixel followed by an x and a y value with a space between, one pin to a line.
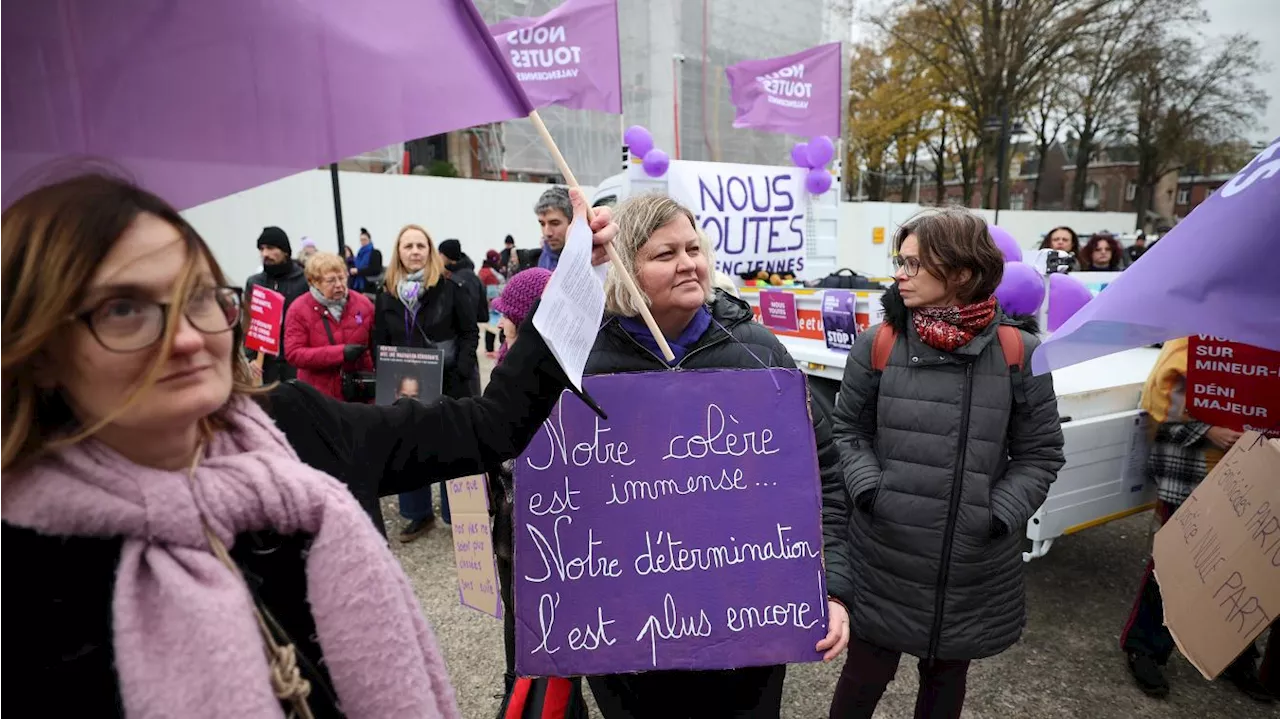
pixel 53 240
pixel 396 271
pixel 322 263
pixel 638 218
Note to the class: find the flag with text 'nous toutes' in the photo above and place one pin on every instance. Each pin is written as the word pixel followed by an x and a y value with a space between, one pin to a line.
pixel 1215 273
pixel 568 57
pixel 198 100
pixel 798 94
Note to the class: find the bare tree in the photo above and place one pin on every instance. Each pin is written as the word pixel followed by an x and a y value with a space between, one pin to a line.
pixel 1045 118
pixel 1189 93
pixel 997 52
pixel 1101 63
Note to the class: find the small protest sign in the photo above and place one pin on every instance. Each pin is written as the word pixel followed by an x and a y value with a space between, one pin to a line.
pixel 1233 385
pixel 682 533
pixel 778 311
pixel 266 320
pixel 754 214
pixel 413 372
pixel 1218 557
pixel 839 321
pixel 473 545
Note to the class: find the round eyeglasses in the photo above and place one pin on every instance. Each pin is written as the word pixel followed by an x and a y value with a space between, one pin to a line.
pixel 126 324
pixel 910 266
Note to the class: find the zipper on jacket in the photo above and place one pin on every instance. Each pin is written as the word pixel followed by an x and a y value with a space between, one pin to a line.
pixel 957 484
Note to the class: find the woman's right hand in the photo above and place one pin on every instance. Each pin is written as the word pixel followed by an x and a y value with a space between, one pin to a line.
pixel 1222 438
pixel 351 353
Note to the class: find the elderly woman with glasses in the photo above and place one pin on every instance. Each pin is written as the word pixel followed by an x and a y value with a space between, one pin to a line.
pixel 326 331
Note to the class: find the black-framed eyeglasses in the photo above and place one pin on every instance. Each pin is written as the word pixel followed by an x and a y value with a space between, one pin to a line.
pixel 129 324
pixel 910 266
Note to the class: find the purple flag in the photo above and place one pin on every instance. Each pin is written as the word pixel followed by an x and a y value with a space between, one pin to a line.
pixel 203 99
pixel 797 94
pixel 1214 274
pixel 568 57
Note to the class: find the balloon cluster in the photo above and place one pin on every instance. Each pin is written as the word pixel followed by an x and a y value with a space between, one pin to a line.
pixel 814 156
pixel 654 161
pixel 1022 289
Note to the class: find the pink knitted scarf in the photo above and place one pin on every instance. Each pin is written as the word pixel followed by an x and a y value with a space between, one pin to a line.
pixel 186 640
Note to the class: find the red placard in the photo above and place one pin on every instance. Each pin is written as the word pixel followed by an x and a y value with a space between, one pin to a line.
pixel 1233 385
pixel 266 314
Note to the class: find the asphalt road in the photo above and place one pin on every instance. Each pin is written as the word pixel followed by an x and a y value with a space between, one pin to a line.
pixel 1067 665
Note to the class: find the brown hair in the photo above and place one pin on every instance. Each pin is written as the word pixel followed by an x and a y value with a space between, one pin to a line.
pixel 396 271
pixel 321 263
pixel 1086 252
pixel 53 241
pixel 952 240
pixel 1048 238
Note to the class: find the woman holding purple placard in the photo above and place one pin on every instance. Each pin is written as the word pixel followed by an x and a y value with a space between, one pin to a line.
pixel 672 263
pixel 948 447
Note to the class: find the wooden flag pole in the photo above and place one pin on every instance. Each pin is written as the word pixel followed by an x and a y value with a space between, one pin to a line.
pixel 627 279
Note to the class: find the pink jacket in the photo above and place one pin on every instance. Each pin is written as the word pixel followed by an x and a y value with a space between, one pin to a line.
pixel 307 346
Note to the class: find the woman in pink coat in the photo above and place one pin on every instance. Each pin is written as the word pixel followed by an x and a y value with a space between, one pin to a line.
pixel 327 330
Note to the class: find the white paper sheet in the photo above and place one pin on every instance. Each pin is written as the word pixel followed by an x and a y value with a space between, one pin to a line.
pixel 572 304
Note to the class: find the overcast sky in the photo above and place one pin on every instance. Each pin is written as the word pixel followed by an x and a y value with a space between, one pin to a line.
pixel 1259 18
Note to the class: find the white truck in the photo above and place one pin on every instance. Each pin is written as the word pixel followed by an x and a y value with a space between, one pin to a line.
pixel 1098 400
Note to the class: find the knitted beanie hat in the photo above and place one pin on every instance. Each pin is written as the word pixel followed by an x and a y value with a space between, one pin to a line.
pixel 522 290
pixel 275 237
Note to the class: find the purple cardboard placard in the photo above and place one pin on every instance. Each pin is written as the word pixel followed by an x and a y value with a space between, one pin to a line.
pixel 778 311
pixel 839 323
pixel 683 533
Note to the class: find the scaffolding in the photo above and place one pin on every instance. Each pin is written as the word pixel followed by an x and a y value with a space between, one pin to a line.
pixel 670 44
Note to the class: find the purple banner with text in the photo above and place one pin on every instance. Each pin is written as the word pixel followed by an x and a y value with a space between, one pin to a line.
pixel 682 533
pixel 568 57
pixel 797 94
pixel 753 214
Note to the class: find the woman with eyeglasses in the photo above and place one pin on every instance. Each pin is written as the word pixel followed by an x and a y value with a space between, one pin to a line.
pixel 948 446
pixel 327 331
pixel 177 556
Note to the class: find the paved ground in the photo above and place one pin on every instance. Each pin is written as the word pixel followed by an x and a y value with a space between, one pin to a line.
pixel 1067 664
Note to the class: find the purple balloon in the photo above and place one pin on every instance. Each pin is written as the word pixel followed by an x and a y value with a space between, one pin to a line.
pixel 1066 296
pixel 800 154
pixel 818 181
pixel 1021 289
pixel 639 140
pixel 1008 246
pixel 656 163
pixel 820 151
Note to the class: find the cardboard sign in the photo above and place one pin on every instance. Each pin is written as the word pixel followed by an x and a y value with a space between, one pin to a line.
pixel 413 372
pixel 473 545
pixel 839 321
pixel 778 311
pixel 1233 385
pixel 754 214
pixel 266 320
pixel 682 533
pixel 1218 558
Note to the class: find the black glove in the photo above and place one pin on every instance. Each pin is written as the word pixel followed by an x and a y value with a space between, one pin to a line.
pixel 351 353
pixel 998 528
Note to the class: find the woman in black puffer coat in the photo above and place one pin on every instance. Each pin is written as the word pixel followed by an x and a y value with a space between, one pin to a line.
pixel 948 446
pixel 420 307
pixel 706 329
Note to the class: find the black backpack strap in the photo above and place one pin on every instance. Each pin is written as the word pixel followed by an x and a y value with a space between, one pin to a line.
pixel 324 317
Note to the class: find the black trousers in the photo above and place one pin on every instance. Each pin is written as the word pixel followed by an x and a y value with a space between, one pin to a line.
pixel 869 669
pixel 749 693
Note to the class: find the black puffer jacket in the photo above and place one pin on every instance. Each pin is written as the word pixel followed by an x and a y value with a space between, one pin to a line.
pixel 945 469
pixel 616 351
pixel 445 317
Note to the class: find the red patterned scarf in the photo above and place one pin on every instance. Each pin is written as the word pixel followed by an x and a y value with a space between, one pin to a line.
pixel 949 328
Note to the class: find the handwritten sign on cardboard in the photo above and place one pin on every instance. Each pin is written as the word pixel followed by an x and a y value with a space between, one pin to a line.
pixel 682 533
pixel 1218 557
pixel 473 545
pixel 266 318
pixel 1233 385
